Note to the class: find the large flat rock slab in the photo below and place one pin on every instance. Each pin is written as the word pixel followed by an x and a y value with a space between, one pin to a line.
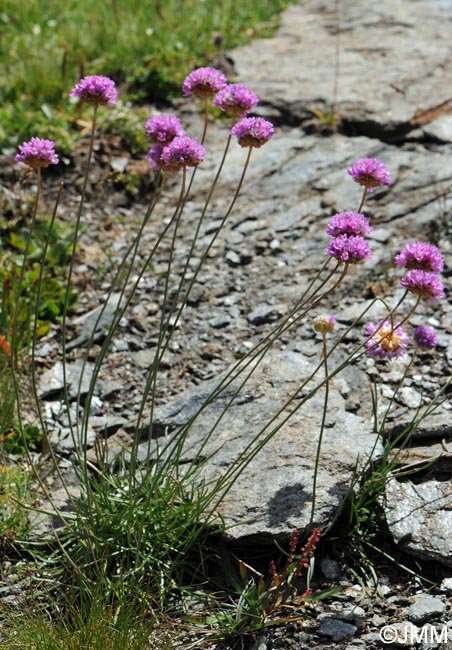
pixel 420 518
pixel 392 61
pixel 273 493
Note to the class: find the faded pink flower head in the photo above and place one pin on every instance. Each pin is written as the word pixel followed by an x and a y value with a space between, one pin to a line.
pixel 204 82
pixel 162 129
pixel 351 250
pixel 96 89
pixel 154 157
pixel 370 173
pixel 425 337
pixel 348 223
pixel 420 255
pixel 423 284
pixel 386 341
pixel 253 131
pixel 236 100
pixel 324 324
pixel 182 152
pixel 37 152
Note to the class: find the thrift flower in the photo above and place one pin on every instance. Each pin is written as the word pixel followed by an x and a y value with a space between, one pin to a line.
pixel 204 82
pixel 386 341
pixel 154 157
pixel 252 131
pixel 96 90
pixel 420 255
pixel 324 324
pixel 351 250
pixel 370 173
pixel 182 152
pixel 348 223
pixel 162 129
pixel 37 152
pixel 424 284
pixel 425 337
pixel 236 100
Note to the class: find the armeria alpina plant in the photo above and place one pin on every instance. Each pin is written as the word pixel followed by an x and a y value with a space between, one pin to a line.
pixel 133 533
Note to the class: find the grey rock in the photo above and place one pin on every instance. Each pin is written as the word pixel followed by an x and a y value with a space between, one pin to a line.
pixel 78 377
pixel 107 424
pixel 330 568
pixel 403 85
pixel 96 322
pixel 265 314
pixel 336 629
pixel 400 634
pixel 420 518
pixel 51 515
pixel 409 397
pixel 263 509
pixel 446 586
pixel 440 129
pixel 425 607
pixel 436 425
pixel 119 164
pixel 232 258
pixel 68 440
pixel 220 321
pixel 355 614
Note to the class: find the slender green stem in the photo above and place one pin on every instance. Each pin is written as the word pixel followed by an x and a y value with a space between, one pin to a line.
pixel 76 435
pixel 363 200
pixel 322 429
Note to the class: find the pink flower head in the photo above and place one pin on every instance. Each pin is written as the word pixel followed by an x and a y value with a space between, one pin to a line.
pixel 352 250
pixel 162 129
pixel 386 341
pixel 37 152
pixel 154 157
pixel 204 82
pixel 236 100
pixel 420 255
pixel 252 131
pixel 182 152
pixel 424 284
pixel 425 337
pixel 324 324
pixel 348 223
pixel 370 173
pixel 96 89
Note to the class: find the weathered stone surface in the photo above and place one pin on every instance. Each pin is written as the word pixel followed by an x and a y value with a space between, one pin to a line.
pixel 51 382
pixel 437 425
pixel 420 518
pixel 391 60
pixel 336 629
pixel 273 493
pixel 425 607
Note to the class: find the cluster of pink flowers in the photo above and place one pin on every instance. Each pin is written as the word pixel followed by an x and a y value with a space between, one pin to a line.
pixel 97 90
pixel 236 100
pixel 173 150
pixel 425 337
pixel 348 223
pixel 348 229
pixel 182 152
pixel 162 129
pixel 387 341
pixel 252 131
pixel 37 152
pixel 204 82
pixel 424 262
pixel 369 173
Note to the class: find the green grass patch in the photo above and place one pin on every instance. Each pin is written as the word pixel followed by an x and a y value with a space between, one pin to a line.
pixel 148 47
